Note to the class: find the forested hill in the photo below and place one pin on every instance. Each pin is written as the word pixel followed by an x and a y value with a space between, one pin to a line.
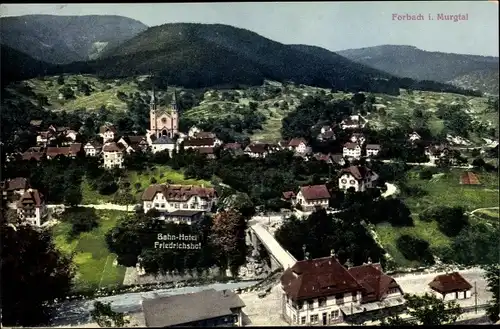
pixel 65 39
pixel 470 71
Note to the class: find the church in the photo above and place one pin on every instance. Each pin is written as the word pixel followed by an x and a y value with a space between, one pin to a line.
pixel 163 121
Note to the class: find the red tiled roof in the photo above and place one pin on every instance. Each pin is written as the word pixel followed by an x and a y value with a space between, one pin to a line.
pixel 375 282
pixel 296 142
pixel 32 155
pixel 450 282
pixel 112 147
pixel 315 192
pixel 357 172
pixel 350 145
pixel 55 151
pixel 75 148
pixel 199 142
pixel 288 195
pixel 469 178
pixel 316 278
pixel 206 150
pixel 257 148
pixel 30 198
pixel 232 146
pixel 178 192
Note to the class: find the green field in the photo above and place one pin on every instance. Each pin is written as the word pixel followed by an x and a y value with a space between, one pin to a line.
pixel 444 190
pixel 162 174
pixel 92 258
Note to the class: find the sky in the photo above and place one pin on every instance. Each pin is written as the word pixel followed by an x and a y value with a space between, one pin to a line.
pixel 331 25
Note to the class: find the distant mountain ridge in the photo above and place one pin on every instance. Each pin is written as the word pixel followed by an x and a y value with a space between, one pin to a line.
pixel 65 39
pixel 415 63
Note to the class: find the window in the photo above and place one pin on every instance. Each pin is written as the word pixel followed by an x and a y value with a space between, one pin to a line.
pixel 303 320
pixel 354 296
pixel 300 305
pixel 185 206
pixel 163 205
pixel 339 298
pixel 352 182
pixel 310 304
pixel 314 318
pixel 157 205
pixel 176 206
pixel 334 314
pixel 322 302
pixel 344 181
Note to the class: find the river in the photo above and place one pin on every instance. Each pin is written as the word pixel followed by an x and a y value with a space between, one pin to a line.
pixel 78 312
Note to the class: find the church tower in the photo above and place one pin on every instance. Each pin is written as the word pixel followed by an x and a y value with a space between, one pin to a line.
pixel 163 121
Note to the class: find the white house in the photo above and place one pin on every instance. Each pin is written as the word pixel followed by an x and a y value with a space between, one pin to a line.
pixel 107 132
pixel 257 150
pixel 358 177
pixel 298 145
pixel 169 198
pixel 312 197
pixel 351 150
pixel 193 131
pixel 414 137
pixel 323 292
pixel 31 208
pixel 353 122
pixel 358 138
pixel 112 155
pixel 163 143
pixel 92 149
pixel 372 149
pixel 450 286
pixel 71 135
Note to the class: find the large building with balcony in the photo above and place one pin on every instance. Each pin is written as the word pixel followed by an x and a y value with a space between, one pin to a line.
pixel 323 292
pixel 359 178
pixel 31 208
pixel 170 198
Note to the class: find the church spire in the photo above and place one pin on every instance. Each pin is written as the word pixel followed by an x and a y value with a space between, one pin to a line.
pixel 174 101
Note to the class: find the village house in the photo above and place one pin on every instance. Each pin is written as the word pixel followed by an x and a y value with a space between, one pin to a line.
pixel 207 308
pixel 353 122
pixel 358 138
pixel 209 152
pixel 234 148
pixel 372 150
pixel 326 133
pixel 112 155
pixel 164 143
pixel 33 153
pixel 13 189
pixel 31 208
pixel 45 137
pixel 108 133
pixel 312 197
pixel 92 149
pixel 289 196
pixel 168 198
pixel 414 136
pixel 193 131
pixel 68 151
pixel 351 150
pixel 134 143
pixel 71 135
pixel 197 143
pixel 257 150
pixel 338 159
pixel 298 145
pixel 323 292
pixel 358 177
pixel 436 152
pixel 451 286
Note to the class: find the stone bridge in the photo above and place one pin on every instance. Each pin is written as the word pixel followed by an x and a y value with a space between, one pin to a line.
pixel 280 258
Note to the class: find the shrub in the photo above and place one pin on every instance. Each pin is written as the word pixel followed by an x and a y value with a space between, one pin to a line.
pixel 153 180
pixel 415 249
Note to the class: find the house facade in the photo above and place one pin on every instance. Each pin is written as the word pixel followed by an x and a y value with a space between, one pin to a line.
pixel 183 216
pixel 324 292
pixel 164 143
pixel 169 198
pixel 112 155
pixel 358 177
pixel 372 150
pixel 414 136
pixel 312 197
pixel 108 133
pixel 92 149
pixel 31 208
pixel 436 152
pixel 298 145
pixel 351 150
pixel 358 138
pixel 257 150
pixel 13 189
pixel 197 143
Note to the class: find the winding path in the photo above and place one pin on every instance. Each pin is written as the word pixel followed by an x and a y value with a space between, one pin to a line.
pixel 479 209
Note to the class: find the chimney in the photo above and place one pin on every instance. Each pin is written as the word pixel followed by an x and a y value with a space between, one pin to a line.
pixel 306 256
pixel 332 253
pixel 369 260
